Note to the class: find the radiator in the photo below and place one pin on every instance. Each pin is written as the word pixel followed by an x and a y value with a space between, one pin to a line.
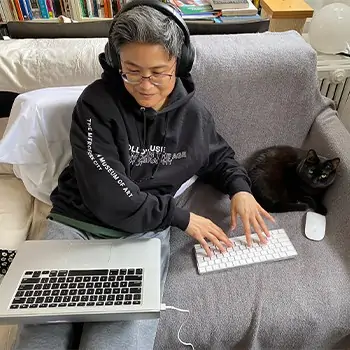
pixel 334 83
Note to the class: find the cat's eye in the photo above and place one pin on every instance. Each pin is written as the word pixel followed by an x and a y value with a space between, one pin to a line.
pixel 323 176
pixel 311 171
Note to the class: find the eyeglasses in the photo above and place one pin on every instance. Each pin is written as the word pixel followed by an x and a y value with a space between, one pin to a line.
pixel 156 79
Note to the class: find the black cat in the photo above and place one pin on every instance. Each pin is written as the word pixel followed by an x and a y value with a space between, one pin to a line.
pixel 290 179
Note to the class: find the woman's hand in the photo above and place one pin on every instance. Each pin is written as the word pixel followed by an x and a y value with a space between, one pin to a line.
pixel 201 228
pixel 250 211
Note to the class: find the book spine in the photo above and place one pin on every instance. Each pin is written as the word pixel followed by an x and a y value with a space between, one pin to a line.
pixel 13 10
pixel 89 8
pixel 95 8
pixel 19 10
pixel 57 8
pixel 35 9
pixel 7 12
pixel 2 14
pixel 83 8
pixel 67 8
pixel 50 8
pixel 24 9
pixel 43 9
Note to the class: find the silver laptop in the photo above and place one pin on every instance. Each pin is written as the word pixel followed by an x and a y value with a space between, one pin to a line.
pixel 82 281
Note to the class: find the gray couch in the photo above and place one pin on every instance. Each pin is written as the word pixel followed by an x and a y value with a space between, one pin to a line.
pixel 262 91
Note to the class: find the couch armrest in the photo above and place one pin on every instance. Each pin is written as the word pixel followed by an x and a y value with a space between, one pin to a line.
pixel 329 137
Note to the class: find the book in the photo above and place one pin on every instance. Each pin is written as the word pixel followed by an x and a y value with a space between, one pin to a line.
pixel 250 11
pixel 188 7
pixel 238 19
pixel 229 4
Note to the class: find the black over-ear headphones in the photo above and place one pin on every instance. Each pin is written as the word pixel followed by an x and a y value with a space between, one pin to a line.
pixel 184 62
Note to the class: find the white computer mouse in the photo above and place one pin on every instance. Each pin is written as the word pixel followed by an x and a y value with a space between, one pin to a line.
pixel 315 226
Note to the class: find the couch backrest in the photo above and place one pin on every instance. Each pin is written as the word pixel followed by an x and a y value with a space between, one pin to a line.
pixel 262 89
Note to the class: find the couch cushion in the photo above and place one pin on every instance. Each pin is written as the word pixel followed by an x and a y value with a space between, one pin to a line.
pixel 30 64
pixel 261 89
pixel 294 303
pixel 16 211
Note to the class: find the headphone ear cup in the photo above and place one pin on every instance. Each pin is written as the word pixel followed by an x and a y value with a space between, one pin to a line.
pixel 112 58
pixel 185 62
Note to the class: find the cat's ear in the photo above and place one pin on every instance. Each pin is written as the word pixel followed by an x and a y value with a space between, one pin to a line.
pixel 335 162
pixel 312 157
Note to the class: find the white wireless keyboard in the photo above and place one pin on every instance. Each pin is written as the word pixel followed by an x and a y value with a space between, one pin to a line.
pixel 279 247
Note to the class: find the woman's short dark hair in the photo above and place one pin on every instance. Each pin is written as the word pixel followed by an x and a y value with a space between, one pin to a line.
pixel 145 24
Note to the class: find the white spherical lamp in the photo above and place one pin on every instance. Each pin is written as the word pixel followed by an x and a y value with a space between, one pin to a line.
pixel 329 30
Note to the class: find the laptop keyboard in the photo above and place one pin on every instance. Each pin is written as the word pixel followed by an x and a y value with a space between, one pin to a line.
pixel 79 288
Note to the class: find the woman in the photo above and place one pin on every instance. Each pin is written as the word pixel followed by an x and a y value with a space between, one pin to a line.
pixel 137 134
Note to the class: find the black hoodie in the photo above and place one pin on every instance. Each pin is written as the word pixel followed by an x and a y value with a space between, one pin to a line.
pixel 129 161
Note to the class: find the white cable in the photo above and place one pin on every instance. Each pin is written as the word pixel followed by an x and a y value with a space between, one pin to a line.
pixel 166 307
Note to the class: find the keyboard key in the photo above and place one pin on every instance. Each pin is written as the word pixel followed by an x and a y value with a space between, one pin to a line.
pixel 131 271
pixel 118 303
pixel 33 306
pixel 61 280
pixel 66 299
pixel 62 305
pixel 106 285
pixel 111 297
pixel 127 302
pixel 89 285
pixel 84 298
pixel 93 298
pixel 87 272
pixel 20 294
pixel 128 297
pixel 36 274
pixel 107 291
pixel 53 280
pixel 62 273
pixel 111 278
pixel 19 301
pixel 90 304
pixel 43 306
pixel 23 306
pixel 120 278
pixel 78 279
pixel 28 273
pixel 103 278
pixel 135 290
pixel 14 306
pixel 100 303
pixel 114 272
pixel 71 304
pixel 81 291
pixel 108 303
pixel 136 302
pixel 122 271
pixel 115 285
pixel 44 280
pixel 102 298
pixel 73 292
pixel 138 271
pixel 81 304
pixel 99 291
pixel 72 285
pixel 26 287
pixel 31 280
pixel 53 274
pixel 124 284
pixel 29 293
pixel 135 284
pixel 70 279
pixel 133 278
pixel 137 296
pixel 52 305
